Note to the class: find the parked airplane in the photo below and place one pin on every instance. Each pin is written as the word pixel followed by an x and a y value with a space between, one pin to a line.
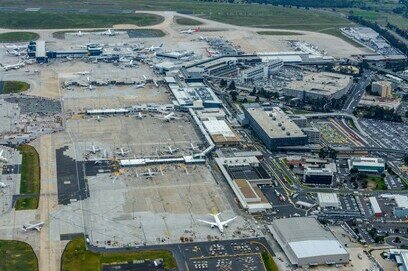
pixel 2 158
pixel 16 47
pixel 154 48
pixel 189 31
pixel 139 115
pixel 122 152
pixel 13 66
pixel 193 148
pixel 171 150
pixel 37 226
pixel 17 52
pixel 141 85
pixel 94 149
pixel 3 185
pixel 149 173
pixel 218 223
pixel 79 33
pixel 110 32
pixel 83 73
pixel 169 117
pixel 131 64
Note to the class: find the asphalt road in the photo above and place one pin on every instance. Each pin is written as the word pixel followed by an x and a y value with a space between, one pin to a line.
pixel 357 91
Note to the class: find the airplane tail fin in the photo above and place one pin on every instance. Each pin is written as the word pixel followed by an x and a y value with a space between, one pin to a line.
pixel 161 45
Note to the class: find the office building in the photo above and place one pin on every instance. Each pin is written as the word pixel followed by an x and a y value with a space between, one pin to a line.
pixel 274 127
pixel 367 164
pixel 382 88
pixel 319 176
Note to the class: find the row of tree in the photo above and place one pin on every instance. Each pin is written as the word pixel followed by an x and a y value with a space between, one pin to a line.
pixel 378 113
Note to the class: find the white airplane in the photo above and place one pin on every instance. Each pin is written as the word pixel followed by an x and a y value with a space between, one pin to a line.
pixel 17 52
pixel 94 149
pixel 154 48
pixel 83 73
pixel 79 33
pixel 141 85
pixel 171 150
pixel 218 223
pixel 13 66
pixel 193 148
pixel 131 64
pixel 188 31
pixel 3 185
pixel 169 117
pixel 110 32
pixel 2 158
pixel 139 115
pixel 122 152
pixel 16 47
pixel 149 173
pixel 36 227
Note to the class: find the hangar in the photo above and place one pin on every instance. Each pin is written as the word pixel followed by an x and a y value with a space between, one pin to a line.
pixel 306 243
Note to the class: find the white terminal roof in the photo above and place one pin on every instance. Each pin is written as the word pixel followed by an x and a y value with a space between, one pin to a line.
pixel 40 49
pixel 328 198
pixel 215 127
pixel 304 237
pixel 275 122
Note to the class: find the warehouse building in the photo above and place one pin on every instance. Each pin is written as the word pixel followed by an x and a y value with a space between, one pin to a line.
pixel 328 200
pixel 318 176
pixel 274 127
pixel 220 132
pixel 367 164
pixel 375 207
pixel 306 243
pixel 319 85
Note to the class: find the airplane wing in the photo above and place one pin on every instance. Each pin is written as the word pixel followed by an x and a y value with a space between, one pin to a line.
pixel 208 222
pixel 38 228
pixel 1 152
pixel 228 221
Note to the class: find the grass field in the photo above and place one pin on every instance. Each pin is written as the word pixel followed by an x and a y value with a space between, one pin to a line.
pixel 14 87
pixel 186 21
pixel 269 262
pixel 16 255
pixel 238 14
pixel 77 258
pixel 378 181
pixel 278 33
pixel 46 20
pixel 30 178
pixel 18 37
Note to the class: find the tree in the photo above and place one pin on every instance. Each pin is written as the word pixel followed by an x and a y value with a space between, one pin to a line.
pixel 232 85
pixel 406 160
pixel 234 95
pixel 257 99
pixel 253 92
pixel 223 83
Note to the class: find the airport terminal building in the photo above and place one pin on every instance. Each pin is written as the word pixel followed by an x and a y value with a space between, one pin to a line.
pixel 306 243
pixel 274 127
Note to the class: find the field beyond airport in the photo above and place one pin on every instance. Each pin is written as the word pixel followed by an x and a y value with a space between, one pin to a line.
pixel 254 15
